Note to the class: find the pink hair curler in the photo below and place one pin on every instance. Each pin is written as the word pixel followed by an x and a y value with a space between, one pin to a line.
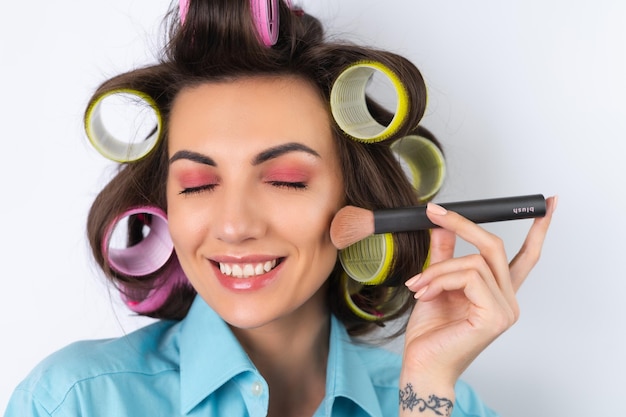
pixel 183 8
pixel 266 19
pixel 147 302
pixel 264 12
pixel 147 256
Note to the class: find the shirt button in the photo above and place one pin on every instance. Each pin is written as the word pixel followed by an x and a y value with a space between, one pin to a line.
pixel 257 389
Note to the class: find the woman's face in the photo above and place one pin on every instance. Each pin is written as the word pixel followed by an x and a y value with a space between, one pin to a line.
pixel 254 182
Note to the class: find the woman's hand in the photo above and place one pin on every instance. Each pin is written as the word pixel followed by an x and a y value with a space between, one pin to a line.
pixel 464 303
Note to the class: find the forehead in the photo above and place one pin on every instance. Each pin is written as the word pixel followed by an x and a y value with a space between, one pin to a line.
pixel 249 111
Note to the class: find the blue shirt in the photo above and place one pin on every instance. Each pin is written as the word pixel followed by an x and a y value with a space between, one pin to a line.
pixel 196 367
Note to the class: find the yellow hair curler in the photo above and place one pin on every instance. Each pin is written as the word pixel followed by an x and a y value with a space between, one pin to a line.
pixel 135 104
pixel 368 261
pixel 424 162
pixel 349 108
pixel 391 304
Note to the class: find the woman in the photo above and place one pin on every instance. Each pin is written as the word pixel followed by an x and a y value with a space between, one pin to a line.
pixel 251 166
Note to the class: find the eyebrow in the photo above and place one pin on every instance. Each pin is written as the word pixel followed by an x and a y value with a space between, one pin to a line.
pixel 262 157
pixel 193 156
pixel 279 150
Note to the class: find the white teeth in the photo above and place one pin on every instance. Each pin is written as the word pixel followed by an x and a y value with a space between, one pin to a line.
pixel 226 269
pixel 237 271
pixel 247 270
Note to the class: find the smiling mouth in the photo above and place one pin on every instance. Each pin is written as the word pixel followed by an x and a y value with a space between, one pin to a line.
pixel 247 270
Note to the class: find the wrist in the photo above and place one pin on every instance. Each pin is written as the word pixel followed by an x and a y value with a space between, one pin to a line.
pixel 429 371
pixel 419 394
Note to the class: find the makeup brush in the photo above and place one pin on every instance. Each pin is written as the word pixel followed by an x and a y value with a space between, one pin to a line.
pixel 352 224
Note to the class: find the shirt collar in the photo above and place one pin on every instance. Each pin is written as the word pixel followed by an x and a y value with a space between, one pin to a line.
pixel 210 356
pixel 347 374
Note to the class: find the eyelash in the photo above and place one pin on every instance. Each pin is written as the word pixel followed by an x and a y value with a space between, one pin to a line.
pixel 278 184
pixel 198 190
pixel 290 185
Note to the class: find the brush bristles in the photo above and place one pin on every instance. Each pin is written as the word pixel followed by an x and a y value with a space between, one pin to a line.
pixel 350 225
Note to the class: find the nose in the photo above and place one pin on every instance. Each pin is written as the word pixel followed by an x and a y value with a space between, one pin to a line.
pixel 238 218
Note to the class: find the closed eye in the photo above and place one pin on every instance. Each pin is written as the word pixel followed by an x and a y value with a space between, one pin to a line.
pixel 298 185
pixel 197 190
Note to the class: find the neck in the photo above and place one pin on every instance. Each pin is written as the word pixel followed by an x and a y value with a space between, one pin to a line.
pixel 291 353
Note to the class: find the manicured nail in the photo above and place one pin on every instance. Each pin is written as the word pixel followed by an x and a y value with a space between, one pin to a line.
pixel 436 209
pixel 555 203
pixel 420 292
pixel 413 281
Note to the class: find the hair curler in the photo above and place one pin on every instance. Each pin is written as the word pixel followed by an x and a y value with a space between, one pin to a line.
pixel 368 261
pixel 153 253
pixel 265 13
pixel 266 20
pixel 363 308
pixel 183 9
pixel 147 256
pixel 349 108
pixel 147 301
pixel 424 162
pixel 112 147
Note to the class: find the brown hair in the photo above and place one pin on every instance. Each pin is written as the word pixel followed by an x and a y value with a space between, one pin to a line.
pixel 217 43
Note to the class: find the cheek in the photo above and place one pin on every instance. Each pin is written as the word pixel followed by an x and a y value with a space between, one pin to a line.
pixel 315 243
pixel 185 229
pixel 308 223
pixel 322 209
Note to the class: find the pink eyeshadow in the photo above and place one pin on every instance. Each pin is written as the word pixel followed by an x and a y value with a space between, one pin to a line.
pixel 196 179
pixel 287 174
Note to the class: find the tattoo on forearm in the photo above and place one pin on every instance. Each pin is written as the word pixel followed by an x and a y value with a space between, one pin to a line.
pixel 409 401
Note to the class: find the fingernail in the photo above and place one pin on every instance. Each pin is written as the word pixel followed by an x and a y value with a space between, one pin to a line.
pixel 421 292
pixel 436 209
pixel 555 203
pixel 413 281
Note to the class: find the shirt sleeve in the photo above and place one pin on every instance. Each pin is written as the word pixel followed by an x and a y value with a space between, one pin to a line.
pixel 23 404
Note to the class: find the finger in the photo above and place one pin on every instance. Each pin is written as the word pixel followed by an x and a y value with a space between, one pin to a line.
pixel 464 263
pixel 529 254
pixel 489 307
pixel 470 264
pixel 442 243
pixel 489 245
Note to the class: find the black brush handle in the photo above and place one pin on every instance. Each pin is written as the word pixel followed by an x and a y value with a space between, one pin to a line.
pixel 409 219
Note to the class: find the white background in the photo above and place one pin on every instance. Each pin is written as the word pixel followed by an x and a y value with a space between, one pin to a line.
pixel 527 97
